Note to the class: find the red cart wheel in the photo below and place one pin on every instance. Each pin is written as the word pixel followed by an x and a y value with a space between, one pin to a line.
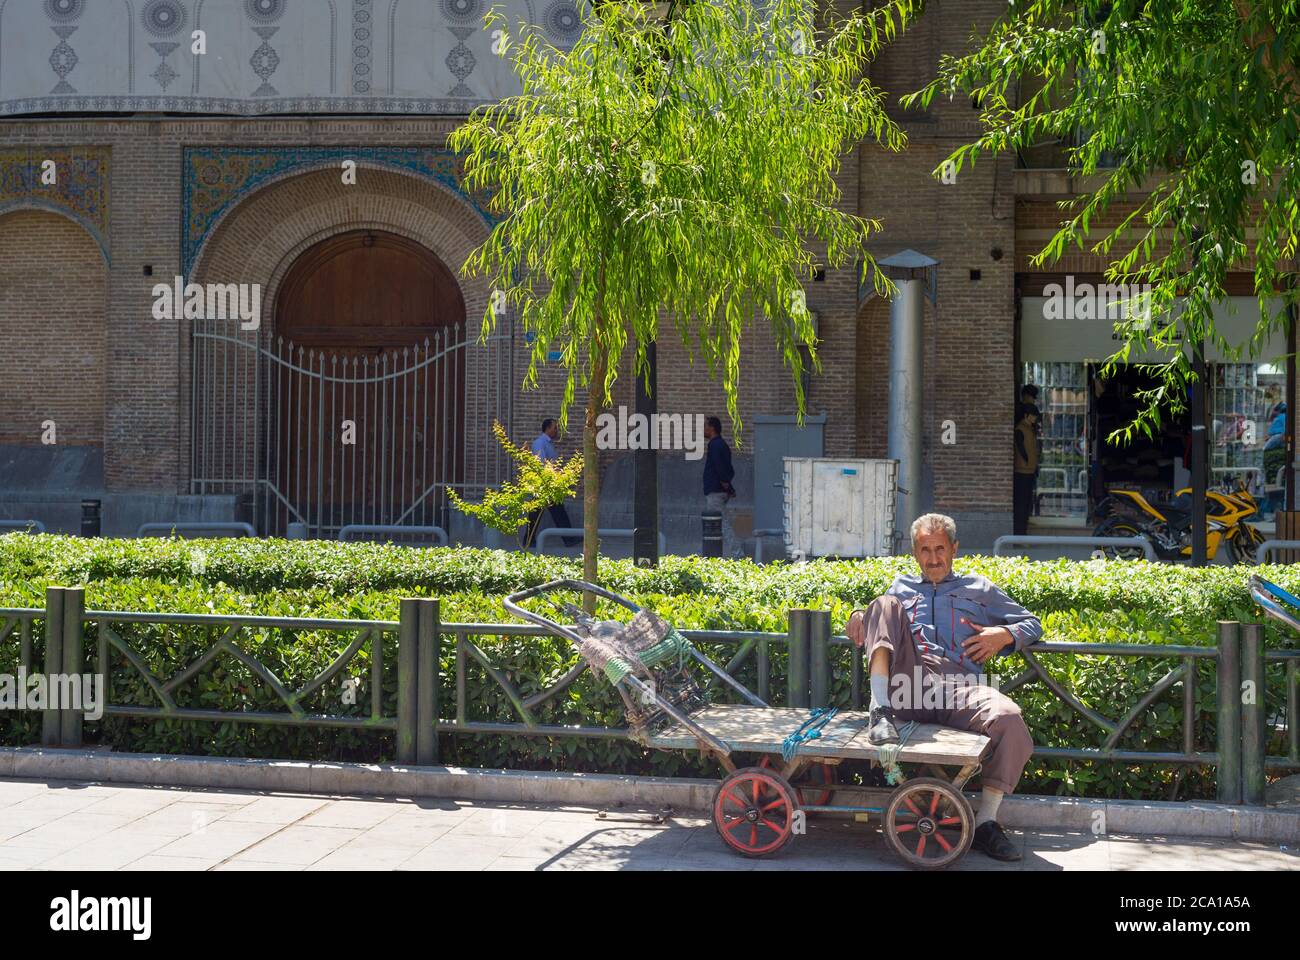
pixel 818 775
pixel 929 823
pixel 753 811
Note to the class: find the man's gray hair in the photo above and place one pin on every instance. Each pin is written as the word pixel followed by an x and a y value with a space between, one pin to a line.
pixel 934 523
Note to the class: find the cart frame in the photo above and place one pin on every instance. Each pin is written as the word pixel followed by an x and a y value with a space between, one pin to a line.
pixel 748 794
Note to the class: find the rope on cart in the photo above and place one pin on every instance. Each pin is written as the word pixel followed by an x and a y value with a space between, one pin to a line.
pixel 810 729
pixel 889 754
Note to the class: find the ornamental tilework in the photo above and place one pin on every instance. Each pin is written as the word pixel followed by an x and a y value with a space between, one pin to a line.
pixel 80 189
pixel 431 57
pixel 216 179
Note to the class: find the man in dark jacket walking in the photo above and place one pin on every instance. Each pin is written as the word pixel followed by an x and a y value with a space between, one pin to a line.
pixel 718 474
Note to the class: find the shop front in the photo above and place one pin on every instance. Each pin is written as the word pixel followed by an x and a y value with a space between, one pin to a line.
pixel 1062 349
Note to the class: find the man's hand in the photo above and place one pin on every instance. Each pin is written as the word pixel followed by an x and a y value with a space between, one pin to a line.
pixel 987 641
pixel 856 629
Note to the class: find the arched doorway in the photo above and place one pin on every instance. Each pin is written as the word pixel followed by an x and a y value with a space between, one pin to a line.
pixel 367 290
pixel 366 382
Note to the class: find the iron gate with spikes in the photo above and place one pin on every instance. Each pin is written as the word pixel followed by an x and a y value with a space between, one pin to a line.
pixel 332 436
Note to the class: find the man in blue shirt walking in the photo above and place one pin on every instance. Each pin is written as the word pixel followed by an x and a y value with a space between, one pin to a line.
pixel 927 640
pixel 544 447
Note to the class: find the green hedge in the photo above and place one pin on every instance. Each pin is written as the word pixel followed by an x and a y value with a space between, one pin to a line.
pixel 1098 602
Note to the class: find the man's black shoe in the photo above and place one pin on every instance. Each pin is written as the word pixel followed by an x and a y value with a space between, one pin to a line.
pixel 990 839
pixel 880 726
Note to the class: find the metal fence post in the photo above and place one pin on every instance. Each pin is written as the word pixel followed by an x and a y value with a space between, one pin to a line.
pixel 819 660
pixel 426 740
pixel 51 722
pixel 711 534
pixel 74 664
pixel 797 669
pixel 1228 727
pixel 408 664
pixel 1254 742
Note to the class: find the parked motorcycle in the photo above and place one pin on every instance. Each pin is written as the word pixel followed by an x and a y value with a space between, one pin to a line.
pixel 1126 513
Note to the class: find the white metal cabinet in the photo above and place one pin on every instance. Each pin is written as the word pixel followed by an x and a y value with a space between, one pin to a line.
pixel 839 507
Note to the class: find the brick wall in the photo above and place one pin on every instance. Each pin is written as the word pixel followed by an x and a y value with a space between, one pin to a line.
pixel 968 337
pixel 52 287
pixel 967 225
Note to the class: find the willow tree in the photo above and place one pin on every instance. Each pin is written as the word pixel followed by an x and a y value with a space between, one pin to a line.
pixel 677 171
pixel 1196 100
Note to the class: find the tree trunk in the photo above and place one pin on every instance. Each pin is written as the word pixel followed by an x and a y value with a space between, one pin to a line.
pixel 591 485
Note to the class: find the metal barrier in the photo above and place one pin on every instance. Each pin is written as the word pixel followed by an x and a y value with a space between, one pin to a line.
pixel 64 653
pixel 167 529
pixel 438 534
pixel 1036 541
pixel 1238 653
pixel 552 532
pixel 23 526
pixel 1268 546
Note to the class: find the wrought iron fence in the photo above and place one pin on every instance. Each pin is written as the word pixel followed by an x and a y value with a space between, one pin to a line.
pixel 331 437
pixel 1239 656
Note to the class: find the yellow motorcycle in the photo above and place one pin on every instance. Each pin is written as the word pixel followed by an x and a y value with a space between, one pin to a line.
pixel 1126 513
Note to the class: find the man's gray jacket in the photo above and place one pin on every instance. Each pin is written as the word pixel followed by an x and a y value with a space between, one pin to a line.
pixel 943 615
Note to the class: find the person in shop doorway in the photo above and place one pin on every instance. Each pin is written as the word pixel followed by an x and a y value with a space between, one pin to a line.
pixel 1029 396
pixel 1026 469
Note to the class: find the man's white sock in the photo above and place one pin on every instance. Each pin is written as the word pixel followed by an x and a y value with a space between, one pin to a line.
pixel 990 800
pixel 879 691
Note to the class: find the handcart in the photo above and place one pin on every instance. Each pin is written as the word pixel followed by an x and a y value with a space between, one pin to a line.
pixel 758 808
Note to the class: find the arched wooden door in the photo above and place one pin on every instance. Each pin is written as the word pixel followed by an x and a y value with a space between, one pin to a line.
pixel 367 386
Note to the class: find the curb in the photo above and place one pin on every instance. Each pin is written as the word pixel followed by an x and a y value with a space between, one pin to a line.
pixel 1192 818
pixel 360 779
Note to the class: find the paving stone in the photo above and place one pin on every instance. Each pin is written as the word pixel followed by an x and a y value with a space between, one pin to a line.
pixel 69 831
pixel 180 819
pixel 137 802
pixel 355 814
pixel 15 791
pixel 250 865
pixel 112 851
pixel 25 858
pixel 364 854
pixel 468 853
pixel 499 822
pixel 155 862
pixel 409 832
pixel 281 810
pixel 299 845
pixel 219 840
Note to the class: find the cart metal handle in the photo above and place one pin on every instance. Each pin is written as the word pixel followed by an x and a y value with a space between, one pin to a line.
pixel 511 603
pixel 644 691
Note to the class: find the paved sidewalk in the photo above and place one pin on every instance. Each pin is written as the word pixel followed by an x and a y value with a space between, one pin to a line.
pixel 62 825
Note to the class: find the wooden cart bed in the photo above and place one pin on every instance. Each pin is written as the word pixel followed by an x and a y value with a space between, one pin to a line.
pixel 763 730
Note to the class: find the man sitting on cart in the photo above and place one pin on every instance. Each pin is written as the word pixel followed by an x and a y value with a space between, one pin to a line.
pixel 931 634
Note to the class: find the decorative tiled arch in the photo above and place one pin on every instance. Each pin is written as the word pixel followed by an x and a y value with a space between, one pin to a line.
pixel 80 191
pixel 216 179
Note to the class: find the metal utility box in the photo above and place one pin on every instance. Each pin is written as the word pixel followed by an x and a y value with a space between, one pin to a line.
pixel 839 508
